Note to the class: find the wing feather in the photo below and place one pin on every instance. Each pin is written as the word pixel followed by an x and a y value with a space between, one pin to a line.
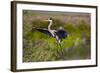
pixel 62 34
pixel 43 30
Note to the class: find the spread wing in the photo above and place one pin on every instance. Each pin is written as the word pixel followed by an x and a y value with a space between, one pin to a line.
pixel 62 34
pixel 43 30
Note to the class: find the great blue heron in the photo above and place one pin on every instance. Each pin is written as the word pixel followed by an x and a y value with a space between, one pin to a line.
pixel 58 34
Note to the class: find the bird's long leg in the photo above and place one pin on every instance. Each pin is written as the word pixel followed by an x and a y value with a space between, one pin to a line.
pixel 60 50
pixel 60 45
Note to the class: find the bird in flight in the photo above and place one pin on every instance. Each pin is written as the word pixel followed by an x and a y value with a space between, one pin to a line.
pixel 57 34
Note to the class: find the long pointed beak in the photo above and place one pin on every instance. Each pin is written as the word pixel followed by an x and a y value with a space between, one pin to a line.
pixel 46 20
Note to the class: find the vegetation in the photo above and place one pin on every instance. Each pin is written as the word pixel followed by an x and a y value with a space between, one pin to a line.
pixel 40 47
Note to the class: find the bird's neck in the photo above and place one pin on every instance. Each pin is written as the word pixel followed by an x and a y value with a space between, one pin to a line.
pixel 49 27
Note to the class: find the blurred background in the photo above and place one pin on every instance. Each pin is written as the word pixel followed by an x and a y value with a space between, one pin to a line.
pixel 40 47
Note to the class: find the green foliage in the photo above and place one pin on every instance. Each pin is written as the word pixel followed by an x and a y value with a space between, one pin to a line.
pixel 40 47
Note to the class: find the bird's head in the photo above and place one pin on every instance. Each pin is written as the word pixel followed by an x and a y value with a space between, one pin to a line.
pixel 49 19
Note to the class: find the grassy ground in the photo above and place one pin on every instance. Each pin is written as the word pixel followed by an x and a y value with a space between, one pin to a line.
pixel 40 47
